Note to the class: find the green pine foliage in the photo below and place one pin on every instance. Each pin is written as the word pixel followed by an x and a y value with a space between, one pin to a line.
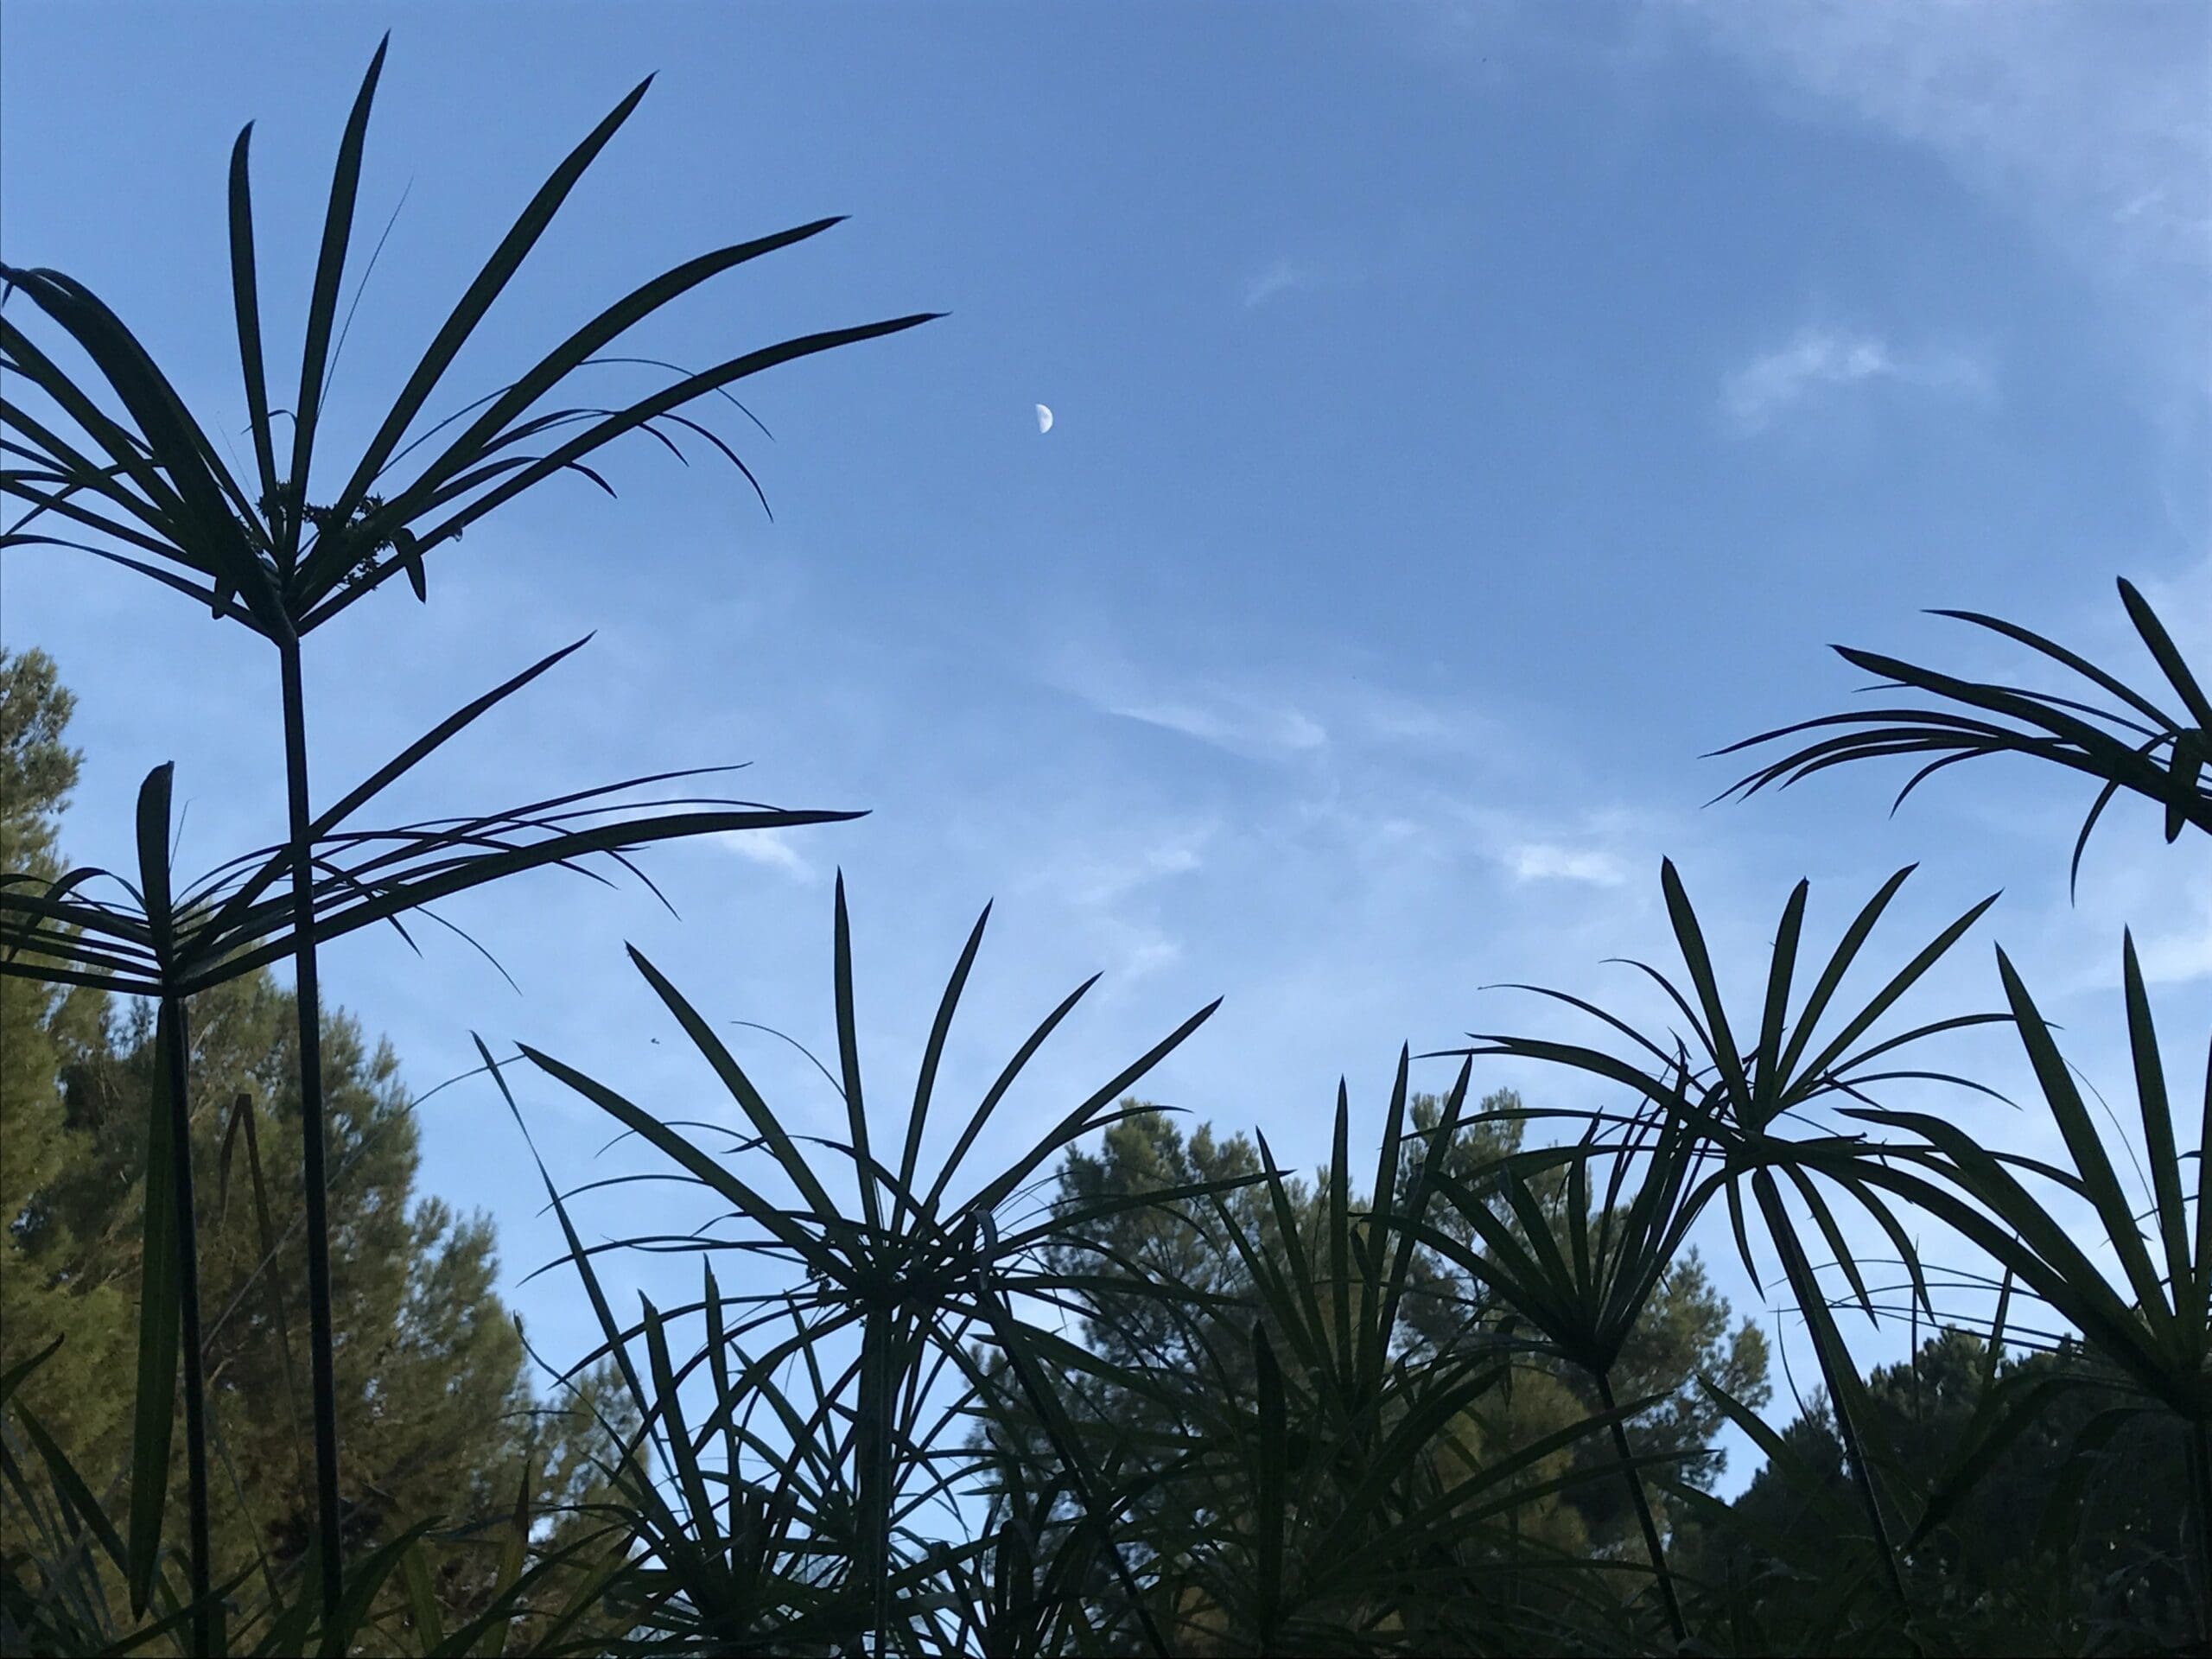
pixel 436 1402
pixel 1685 1332
pixel 258 1395
pixel 45 1031
pixel 2075 1539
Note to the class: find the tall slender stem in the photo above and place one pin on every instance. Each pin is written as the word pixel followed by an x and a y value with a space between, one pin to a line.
pixel 1002 1324
pixel 2200 1460
pixel 175 1052
pixel 323 1380
pixel 1635 1478
pixel 1827 1345
pixel 872 1455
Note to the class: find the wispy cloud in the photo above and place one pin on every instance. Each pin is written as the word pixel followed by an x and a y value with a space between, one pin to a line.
pixel 1542 862
pixel 1319 711
pixel 1817 361
pixel 1100 875
pixel 1247 717
pixel 769 847
pixel 1107 882
pixel 2090 121
pixel 2103 120
pixel 2178 958
pixel 1277 279
pixel 1232 722
pixel 1292 275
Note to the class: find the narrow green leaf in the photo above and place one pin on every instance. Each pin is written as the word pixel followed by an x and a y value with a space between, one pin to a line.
pixel 1838 964
pixel 481 293
pixel 1273 1456
pixel 1691 939
pixel 630 419
pixel 421 1601
pixel 691 1480
pixel 770 1216
pixel 755 1107
pixel 932 1057
pixel 69 1486
pixel 160 1301
pixel 848 1063
pixel 1781 966
pixel 2167 654
pixel 1010 1179
pixel 246 304
pixel 1899 983
pixel 2159 1143
pixel 153 824
pixel 2100 1181
pixel 12 1378
pixel 323 306
pixel 1338 1222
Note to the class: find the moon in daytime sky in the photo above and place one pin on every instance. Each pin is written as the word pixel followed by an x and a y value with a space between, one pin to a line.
pixel 1043 418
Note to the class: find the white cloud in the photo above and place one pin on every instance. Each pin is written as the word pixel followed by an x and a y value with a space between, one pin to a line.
pixel 1542 862
pixel 1328 710
pixel 1289 276
pixel 2177 958
pixel 1102 879
pixel 770 847
pixel 1241 717
pixel 1277 279
pixel 2092 122
pixel 2099 112
pixel 1816 360
pixel 1099 877
pixel 1231 722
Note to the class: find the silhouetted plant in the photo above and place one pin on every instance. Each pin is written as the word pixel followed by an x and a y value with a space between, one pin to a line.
pixel 168 944
pixel 2137 746
pixel 2156 1329
pixel 1750 1107
pixel 1582 1283
pixel 147 489
pixel 907 1276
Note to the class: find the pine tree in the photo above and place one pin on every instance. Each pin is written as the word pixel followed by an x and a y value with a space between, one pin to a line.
pixel 2074 1538
pixel 82 1391
pixel 435 1408
pixel 1686 1329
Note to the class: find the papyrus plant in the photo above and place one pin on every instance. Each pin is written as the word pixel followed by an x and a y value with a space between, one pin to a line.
pixel 2123 739
pixel 1757 1111
pixel 107 458
pixel 885 1297
pixel 166 940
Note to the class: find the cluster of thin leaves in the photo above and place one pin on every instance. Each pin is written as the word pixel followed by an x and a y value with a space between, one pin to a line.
pixel 2136 746
pixel 148 478
pixel 890 1438
pixel 1319 1483
pixel 108 459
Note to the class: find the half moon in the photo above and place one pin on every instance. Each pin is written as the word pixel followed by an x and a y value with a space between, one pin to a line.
pixel 1043 418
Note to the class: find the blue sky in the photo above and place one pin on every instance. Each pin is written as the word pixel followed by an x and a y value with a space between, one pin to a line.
pixel 1467 416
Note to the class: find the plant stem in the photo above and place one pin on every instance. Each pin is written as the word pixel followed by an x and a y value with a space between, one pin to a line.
pixel 1635 1478
pixel 175 1056
pixel 872 1475
pixel 1001 1312
pixel 1826 1348
pixel 2200 1458
pixel 323 1381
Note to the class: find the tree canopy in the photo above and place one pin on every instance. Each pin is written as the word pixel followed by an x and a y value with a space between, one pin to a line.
pixel 1686 1329
pixel 437 1410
